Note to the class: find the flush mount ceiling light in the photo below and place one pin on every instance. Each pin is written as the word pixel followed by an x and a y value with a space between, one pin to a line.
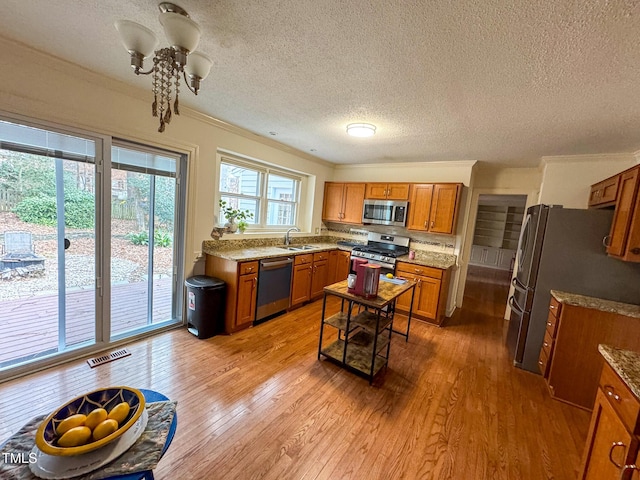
pixel 169 63
pixel 361 129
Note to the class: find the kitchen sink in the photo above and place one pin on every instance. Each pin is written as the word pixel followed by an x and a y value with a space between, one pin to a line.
pixel 298 248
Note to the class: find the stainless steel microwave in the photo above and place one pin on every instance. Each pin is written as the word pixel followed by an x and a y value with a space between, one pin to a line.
pixel 385 212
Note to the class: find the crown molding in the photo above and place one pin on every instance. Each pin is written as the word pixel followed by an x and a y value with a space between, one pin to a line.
pixel 587 158
pixel 453 163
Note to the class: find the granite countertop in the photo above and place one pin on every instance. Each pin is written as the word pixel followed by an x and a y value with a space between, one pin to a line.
pixel 248 252
pixel 626 364
pixel 431 259
pixel 577 300
pixel 258 253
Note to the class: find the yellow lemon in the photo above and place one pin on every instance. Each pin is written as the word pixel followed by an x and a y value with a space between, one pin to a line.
pixel 75 437
pixel 119 412
pixel 389 275
pixel 105 428
pixel 96 416
pixel 70 422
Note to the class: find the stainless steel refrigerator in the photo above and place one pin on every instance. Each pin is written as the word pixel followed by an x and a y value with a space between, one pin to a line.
pixel 562 249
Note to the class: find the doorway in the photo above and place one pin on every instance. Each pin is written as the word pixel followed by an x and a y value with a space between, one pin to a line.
pixel 495 241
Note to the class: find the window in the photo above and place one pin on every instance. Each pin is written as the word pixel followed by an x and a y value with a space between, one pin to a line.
pixel 271 195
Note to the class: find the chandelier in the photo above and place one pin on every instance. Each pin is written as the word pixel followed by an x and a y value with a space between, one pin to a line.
pixel 169 63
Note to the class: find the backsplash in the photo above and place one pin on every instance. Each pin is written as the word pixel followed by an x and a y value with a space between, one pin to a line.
pixel 419 241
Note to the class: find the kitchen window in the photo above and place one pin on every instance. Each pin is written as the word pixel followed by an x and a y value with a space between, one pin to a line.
pixel 270 194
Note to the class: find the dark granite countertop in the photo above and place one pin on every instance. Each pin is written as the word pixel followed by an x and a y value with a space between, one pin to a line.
pixel 626 364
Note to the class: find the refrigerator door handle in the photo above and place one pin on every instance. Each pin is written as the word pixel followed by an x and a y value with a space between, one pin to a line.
pixel 514 306
pixel 518 285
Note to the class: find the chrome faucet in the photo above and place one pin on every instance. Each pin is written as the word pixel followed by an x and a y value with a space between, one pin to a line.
pixel 287 240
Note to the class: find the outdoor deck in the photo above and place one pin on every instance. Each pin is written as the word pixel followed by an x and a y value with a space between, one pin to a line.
pixel 29 327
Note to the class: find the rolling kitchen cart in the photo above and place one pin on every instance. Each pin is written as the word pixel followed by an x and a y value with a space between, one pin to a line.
pixel 364 325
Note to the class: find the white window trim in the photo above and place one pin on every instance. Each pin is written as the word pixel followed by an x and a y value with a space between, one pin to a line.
pixel 264 169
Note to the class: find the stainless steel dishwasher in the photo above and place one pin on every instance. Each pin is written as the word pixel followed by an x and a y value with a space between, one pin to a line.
pixel 274 287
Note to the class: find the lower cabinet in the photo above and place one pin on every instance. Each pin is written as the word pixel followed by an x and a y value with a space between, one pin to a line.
pixel 494 257
pixel 242 281
pixel 612 441
pixel 310 276
pixel 430 298
pixel 569 357
pixel 339 266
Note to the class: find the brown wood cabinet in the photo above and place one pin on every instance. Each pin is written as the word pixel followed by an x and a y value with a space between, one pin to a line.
pixel 546 352
pixel 603 194
pixel 612 441
pixel 571 362
pixel 624 237
pixel 434 207
pixel 241 279
pixel 310 276
pixel 343 202
pixel 430 298
pixel 387 191
pixel 339 263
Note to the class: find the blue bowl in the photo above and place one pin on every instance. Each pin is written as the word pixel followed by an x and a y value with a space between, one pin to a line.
pixel 107 398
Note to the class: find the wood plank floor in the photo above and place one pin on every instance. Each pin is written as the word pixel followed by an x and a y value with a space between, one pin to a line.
pixel 29 326
pixel 259 405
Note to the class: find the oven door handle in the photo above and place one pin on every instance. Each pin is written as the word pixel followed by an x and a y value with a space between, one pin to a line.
pixel 267 265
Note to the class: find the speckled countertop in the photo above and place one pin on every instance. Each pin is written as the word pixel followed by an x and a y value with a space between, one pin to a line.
pixel 626 309
pixel 626 364
pixel 247 250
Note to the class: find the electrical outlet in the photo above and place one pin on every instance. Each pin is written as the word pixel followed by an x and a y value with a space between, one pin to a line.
pixel 317 230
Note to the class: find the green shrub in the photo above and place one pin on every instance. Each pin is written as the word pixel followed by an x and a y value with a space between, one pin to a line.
pixel 140 238
pixel 39 210
pixel 79 210
pixel 161 239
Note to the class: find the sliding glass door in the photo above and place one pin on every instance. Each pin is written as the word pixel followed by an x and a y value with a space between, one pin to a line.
pixel 90 242
pixel 143 238
pixel 48 229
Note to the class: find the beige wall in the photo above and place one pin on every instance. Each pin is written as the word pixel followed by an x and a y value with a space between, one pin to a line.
pixel 44 88
pixel 567 180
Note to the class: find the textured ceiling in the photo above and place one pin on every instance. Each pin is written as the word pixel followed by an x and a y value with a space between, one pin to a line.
pixel 505 82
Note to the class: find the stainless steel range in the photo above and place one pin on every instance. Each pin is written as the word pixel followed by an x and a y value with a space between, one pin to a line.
pixel 382 249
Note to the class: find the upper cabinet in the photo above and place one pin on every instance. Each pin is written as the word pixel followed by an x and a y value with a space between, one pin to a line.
pixel 624 237
pixel 434 207
pixel 604 193
pixel 343 202
pixel 387 191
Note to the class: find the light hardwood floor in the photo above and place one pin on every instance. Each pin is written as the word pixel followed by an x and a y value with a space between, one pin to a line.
pixel 259 404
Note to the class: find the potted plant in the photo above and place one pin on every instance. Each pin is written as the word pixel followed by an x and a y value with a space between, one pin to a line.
pixel 233 214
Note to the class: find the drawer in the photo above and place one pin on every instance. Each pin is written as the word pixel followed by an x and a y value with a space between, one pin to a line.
pixel 552 324
pixel 302 259
pixel 320 256
pixel 248 267
pixel 554 307
pixel 547 344
pixel 621 398
pixel 543 362
pixel 402 267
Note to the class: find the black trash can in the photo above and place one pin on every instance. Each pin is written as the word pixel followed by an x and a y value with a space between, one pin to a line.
pixel 205 305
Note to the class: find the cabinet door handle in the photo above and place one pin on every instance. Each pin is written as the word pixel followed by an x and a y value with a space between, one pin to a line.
pixel 635 250
pixel 545 344
pixel 548 324
pixel 613 447
pixel 606 241
pixel 539 362
pixel 628 467
pixel 432 223
pixel 611 392
pixel 552 307
pixel 425 224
